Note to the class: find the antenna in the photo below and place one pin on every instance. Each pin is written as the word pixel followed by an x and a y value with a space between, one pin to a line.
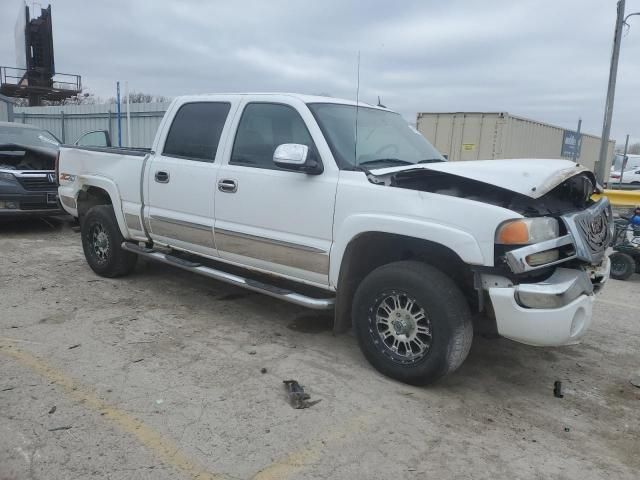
pixel 357 109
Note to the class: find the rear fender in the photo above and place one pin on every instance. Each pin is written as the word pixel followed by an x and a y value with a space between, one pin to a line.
pixel 111 188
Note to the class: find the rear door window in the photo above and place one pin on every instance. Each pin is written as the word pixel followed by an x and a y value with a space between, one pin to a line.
pixel 196 130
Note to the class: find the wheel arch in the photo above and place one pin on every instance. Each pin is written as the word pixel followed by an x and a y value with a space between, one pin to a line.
pixel 372 249
pixel 101 191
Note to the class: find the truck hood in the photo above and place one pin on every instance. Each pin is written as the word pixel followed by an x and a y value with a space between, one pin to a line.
pixel 532 177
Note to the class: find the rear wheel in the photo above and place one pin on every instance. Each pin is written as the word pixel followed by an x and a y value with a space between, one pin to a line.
pixel 622 265
pixel 412 322
pixel 101 240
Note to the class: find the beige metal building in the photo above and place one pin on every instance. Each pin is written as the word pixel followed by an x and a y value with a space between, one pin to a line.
pixel 499 135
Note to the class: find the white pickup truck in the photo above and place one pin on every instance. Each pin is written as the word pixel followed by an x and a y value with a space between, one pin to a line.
pixel 332 205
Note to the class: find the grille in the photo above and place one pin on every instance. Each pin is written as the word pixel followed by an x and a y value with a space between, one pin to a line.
pixel 38 183
pixel 592 231
pixel 595 231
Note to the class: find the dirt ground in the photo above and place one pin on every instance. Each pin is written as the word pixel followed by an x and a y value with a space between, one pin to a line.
pixel 159 376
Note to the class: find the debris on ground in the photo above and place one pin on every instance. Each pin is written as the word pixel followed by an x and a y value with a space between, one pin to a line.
pixel 7 389
pixel 138 360
pixel 263 370
pixel 252 352
pixel 68 427
pixel 635 381
pixel 74 346
pixel 557 389
pixel 53 409
pixel 567 429
pixel 298 398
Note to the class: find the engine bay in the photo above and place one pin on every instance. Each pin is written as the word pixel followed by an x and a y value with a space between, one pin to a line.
pixel 17 157
pixel 572 194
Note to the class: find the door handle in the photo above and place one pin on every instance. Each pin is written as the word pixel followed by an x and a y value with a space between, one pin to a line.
pixel 228 186
pixel 162 177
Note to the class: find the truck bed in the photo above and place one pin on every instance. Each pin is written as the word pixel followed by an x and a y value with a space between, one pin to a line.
pixel 134 151
pixel 116 169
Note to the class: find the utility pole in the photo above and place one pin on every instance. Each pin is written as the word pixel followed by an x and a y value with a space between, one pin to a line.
pixel 576 152
pixel 126 89
pixel 120 113
pixel 611 91
pixel 624 160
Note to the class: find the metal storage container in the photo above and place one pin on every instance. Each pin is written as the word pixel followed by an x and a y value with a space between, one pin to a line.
pixel 499 135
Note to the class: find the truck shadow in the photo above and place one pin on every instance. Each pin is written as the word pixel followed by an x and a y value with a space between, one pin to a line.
pixel 35 224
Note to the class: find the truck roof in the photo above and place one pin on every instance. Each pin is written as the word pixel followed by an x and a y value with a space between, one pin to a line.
pixel 302 97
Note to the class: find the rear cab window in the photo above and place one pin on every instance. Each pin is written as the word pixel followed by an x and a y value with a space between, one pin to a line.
pixel 195 131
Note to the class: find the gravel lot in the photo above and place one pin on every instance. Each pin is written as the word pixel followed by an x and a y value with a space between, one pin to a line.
pixel 158 375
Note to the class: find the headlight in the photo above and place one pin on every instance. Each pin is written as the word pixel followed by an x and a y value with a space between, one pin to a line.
pixel 525 231
pixel 7 176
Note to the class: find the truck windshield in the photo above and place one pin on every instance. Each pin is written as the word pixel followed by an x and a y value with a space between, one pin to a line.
pixel 30 137
pixel 384 138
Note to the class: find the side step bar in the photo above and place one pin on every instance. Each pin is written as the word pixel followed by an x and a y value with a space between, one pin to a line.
pixel 250 284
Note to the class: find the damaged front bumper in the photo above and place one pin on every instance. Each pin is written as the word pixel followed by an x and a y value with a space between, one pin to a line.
pixel 558 310
pixel 554 312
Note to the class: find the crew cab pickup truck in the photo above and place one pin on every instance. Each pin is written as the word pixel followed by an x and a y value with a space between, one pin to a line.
pixel 336 205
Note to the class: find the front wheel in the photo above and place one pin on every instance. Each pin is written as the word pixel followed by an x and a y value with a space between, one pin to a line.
pixel 412 322
pixel 622 265
pixel 101 242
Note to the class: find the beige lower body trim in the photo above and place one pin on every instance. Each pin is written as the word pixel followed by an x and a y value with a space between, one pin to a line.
pixel 68 201
pixel 132 221
pixel 188 232
pixel 282 253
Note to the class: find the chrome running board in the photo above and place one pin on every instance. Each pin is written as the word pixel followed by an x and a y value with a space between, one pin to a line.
pixel 248 283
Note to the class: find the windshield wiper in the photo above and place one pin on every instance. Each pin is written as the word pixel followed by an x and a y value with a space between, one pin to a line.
pixel 431 160
pixel 392 161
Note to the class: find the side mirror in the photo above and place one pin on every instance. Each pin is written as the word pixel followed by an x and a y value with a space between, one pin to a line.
pixel 296 157
pixel 97 138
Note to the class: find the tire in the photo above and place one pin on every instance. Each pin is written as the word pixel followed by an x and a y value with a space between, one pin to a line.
pixel 101 240
pixel 439 318
pixel 622 265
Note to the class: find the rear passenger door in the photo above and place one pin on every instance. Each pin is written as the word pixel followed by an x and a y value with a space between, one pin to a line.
pixel 182 174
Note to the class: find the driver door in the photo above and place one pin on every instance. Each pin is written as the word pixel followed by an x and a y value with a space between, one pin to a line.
pixel 269 218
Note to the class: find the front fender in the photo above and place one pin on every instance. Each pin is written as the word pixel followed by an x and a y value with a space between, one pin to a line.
pixel 462 243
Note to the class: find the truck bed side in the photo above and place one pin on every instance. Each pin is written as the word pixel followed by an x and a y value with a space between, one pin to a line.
pixel 85 172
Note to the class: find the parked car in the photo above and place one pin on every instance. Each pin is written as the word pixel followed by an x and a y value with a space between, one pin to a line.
pixel 284 195
pixel 27 169
pixel 631 176
pixel 633 162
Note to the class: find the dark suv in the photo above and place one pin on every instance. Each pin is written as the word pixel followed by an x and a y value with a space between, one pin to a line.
pixel 27 171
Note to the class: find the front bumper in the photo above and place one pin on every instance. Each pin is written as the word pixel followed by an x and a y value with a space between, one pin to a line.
pixel 554 312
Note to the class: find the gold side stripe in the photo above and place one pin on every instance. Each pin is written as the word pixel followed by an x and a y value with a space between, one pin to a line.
pixel 257 238
pixel 275 251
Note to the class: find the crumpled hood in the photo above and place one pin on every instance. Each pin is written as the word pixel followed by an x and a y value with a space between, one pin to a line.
pixel 527 176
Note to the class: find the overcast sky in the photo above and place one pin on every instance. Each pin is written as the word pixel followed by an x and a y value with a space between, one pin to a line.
pixel 543 59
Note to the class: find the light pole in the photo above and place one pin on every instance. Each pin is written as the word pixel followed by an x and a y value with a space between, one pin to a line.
pixel 621 20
